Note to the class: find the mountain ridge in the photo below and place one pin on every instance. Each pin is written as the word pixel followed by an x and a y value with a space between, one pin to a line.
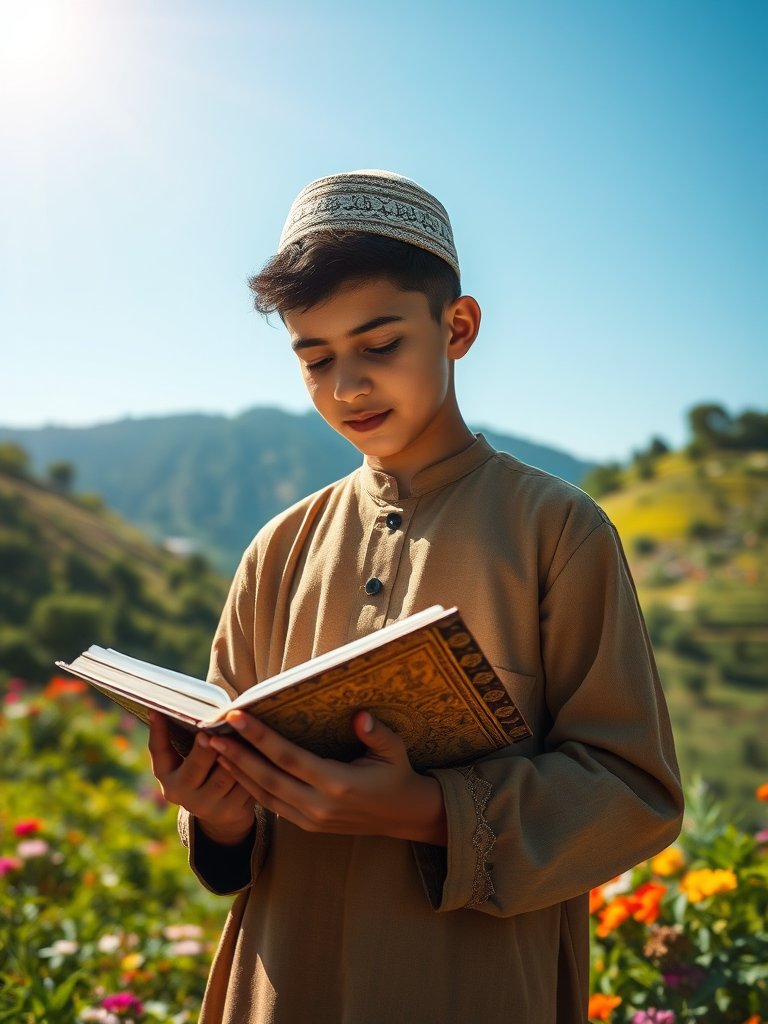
pixel 218 479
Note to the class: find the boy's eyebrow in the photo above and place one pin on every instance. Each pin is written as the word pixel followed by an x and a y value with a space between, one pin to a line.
pixel 369 325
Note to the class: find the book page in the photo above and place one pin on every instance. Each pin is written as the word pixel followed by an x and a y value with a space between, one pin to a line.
pixel 209 693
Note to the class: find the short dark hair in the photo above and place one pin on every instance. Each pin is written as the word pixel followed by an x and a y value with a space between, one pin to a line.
pixel 311 269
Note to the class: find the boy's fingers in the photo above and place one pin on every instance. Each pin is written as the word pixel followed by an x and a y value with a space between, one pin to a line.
pixel 382 742
pixel 252 765
pixel 162 755
pixel 280 751
pixel 266 799
pixel 197 764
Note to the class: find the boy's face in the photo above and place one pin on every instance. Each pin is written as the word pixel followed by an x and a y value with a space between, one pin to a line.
pixel 376 364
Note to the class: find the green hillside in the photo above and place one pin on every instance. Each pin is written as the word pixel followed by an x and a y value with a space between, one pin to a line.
pixel 695 528
pixel 73 573
pixel 217 479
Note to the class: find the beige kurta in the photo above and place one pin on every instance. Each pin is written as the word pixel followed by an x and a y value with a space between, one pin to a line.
pixel 366 930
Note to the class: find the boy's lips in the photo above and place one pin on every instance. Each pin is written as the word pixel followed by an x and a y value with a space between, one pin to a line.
pixel 368 420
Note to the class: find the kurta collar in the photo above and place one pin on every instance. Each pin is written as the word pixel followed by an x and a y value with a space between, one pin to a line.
pixel 383 487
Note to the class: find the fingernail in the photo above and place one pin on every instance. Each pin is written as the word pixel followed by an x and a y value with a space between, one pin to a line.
pixel 203 740
pixel 237 720
pixel 367 722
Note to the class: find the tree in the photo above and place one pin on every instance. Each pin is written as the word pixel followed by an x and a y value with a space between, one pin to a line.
pixel 61 476
pixel 13 459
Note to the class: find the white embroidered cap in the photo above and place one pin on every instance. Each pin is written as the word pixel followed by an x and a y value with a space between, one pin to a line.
pixel 377 201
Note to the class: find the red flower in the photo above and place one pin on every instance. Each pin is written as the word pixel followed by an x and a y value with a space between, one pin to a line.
pixel 27 827
pixel 59 685
pixel 648 897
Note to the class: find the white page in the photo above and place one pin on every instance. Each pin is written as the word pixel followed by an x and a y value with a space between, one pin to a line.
pixel 177 682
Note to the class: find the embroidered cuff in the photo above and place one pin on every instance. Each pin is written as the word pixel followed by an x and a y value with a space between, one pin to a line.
pixel 467 881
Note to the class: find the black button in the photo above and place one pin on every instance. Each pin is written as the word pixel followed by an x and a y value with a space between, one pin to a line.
pixel 373 586
pixel 394 520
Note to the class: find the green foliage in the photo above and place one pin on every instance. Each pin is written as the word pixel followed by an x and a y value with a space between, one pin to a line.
pixel 603 480
pixel 686 932
pixel 714 429
pixel 13 459
pixel 96 897
pixel 61 475
pixel 70 578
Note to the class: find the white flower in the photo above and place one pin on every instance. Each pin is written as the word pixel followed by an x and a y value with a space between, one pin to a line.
pixel 617 886
pixel 188 947
pixel 109 878
pixel 97 1014
pixel 180 1018
pixel 64 947
pixel 109 943
pixel 183 931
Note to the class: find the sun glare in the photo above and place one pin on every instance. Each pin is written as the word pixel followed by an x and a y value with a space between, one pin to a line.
pixel 42 42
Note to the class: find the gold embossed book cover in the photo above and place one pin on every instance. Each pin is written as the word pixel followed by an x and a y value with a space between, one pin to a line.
pixel 424 676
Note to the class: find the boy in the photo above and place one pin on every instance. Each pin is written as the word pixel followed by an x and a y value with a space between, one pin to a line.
pixel 370 894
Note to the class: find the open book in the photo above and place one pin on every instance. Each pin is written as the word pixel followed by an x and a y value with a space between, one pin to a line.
pixel 424 676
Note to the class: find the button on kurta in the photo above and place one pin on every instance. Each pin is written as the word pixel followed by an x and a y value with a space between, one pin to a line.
pixel 394 520
pixel 373 586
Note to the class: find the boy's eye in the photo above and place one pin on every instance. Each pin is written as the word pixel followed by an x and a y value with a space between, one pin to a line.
pixel 319 364
pixel 383 350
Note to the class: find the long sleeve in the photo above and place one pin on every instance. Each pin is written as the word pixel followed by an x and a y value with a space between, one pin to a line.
pixel 529 832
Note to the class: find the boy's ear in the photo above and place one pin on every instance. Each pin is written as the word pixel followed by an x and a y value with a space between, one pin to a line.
pixel 462 317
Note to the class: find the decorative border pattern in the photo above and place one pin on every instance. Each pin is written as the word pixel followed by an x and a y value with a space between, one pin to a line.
pixel 380 203
pixel 480 673
pixel 483 838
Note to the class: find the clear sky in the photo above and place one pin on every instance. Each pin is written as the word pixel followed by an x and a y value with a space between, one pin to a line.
pixel 604 164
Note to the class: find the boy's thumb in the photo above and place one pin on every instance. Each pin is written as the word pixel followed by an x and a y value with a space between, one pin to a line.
pixel 381 741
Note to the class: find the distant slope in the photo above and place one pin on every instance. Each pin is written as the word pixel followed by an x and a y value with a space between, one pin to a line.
pixel 216 479
pixel 73 575
pixel 696 535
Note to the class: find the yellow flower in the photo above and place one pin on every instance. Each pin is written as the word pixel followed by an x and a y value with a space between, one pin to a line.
pixel 698 885
pixel 668 862
pixel 132 962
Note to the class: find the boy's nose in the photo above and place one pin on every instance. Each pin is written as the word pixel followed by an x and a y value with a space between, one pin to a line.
pixel 351 385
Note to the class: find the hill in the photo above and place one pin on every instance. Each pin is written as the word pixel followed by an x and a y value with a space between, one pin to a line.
pixel 695 528
pixel 216 479
pixel 73 573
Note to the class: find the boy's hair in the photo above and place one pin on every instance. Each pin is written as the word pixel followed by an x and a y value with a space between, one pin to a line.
pixel 309 270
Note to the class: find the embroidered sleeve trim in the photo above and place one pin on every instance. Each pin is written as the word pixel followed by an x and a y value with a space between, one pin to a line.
pixel 483 838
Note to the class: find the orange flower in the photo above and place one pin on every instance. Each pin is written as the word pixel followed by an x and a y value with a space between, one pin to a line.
pixel 647 898
pixel 754 1019
pixel 762 794
pixel 668 862
pixel 59 685
pixel 698 885
pixel 74 837
pixel 600 1006
pixel 596 899
pixel 122 743
pixel 617 911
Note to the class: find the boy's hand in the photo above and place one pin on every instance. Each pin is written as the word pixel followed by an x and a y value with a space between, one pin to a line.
pixel 379 794
pixel 223 808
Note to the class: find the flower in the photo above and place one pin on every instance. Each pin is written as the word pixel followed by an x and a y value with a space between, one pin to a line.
pixel 187 947
pixel 600 1006
pixel 614 914
pixel 27 827
pixel 685 977
pixel 64 947
pixel 123 1002
pixel 762 836
pixel 59 685
pixel 109 943
pixel 662 937
pixel 668 862
pixel 10 864
pixel 183 931
pixel 754 1019
pixel 647 898
pixel 653 1016
pixel 32 848
pixel 132 961
pixel 617 885
pixel 596 899
pixel 698 885
pixel 762 792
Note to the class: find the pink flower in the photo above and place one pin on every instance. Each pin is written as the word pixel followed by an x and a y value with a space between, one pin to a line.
pixel 9 864
pixel 762 836
pixel 183 931
pixel 123 1002
pixel 188 947
pixel 27 827
pixel 32 848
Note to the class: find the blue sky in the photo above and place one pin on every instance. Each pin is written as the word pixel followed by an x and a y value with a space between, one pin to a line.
pixel 604 164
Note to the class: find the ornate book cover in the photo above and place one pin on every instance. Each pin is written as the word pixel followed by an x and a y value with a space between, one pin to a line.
pixel 431 684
